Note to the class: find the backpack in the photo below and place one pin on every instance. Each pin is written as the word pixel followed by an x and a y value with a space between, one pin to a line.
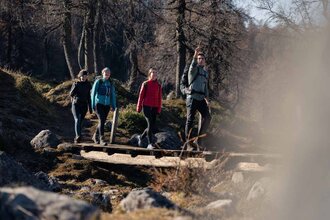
pixel 101 81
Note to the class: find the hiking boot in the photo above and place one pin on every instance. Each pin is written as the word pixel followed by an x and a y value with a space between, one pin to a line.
pixel 102 141
pixel 150 147
pixel 95 139
pixel 77 140
pixel 139 140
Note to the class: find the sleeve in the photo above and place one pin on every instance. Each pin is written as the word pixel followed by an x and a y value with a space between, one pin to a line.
pixel 89 98
pixel 73 90
pixel 113 97
pixel 160 99
pixel 93 94
pixel 207 87
pixel 141 98
pixel 192 70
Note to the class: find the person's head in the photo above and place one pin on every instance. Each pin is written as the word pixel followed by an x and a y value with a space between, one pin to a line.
pixel 106 73
pixel 82 75
pixel 201 59
pixel 152 74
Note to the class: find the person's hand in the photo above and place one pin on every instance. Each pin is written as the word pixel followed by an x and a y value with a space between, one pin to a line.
pixel 187 91
pixel 197 50
pixel 207 102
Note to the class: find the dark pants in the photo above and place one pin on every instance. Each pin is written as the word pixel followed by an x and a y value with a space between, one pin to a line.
pixel 102 112
pixel 79 111
pixel 194 105
pixel 150 114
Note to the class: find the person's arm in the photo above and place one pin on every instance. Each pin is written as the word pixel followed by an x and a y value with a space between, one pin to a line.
pixel 160 100
pixel 73 90
pixel 93 93
pixel 90 109
pixel 113 97
pixel 141 97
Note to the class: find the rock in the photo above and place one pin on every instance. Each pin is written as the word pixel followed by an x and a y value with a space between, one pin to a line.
pixel 51 182
pixel 65 147
pixel 168 139
pixel 237 177
pixel 99 182
pixel 220 204
pixel 30 203
pixel 260 188
pixel 45 139
pixel 145 199
pixel 13 173
pixel 102 200
pixel 77 157
pixel 170 96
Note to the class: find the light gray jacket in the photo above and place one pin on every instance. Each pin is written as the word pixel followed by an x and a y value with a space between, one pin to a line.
pixel 199 86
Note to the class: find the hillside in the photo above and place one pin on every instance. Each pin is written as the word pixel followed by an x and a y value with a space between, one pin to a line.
pixel 28 106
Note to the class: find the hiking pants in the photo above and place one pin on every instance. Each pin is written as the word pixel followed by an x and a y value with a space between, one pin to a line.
pixel 194 105
pixel 150 114
pixel 102 112
pixel 79 111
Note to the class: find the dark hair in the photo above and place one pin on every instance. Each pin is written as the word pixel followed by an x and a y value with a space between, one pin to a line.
pixel 82 72
pixel 201 54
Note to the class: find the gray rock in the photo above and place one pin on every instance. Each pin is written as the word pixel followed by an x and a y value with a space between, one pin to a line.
pixel 28 203
pixel 45 139
pixel 102 200
pixel 99 182
pixel 65 147
pixel 220 204
pixel 145 199
pixel 166 139
pixel 13 173
pixel 50 181
pixel 237 177
pixel 259 189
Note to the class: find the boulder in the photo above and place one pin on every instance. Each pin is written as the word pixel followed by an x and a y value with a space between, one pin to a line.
pixel 145 199
pixel 45 139
pixel 259 189
pixel 166 139
pixel 13 173
pixel 29 203
pixel 220 204
pixel 237 177
pixel 51 182
pixel 103 200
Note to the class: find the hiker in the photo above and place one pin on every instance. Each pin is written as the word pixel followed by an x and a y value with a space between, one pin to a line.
pixel 150 101
pixel 81 101
pixel 103 97
pixel 197 97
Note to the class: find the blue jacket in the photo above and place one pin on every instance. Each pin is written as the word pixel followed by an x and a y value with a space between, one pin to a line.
pixel 103 92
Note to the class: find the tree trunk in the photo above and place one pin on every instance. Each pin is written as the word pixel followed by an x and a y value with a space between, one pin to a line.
pixel 180 46
pixel 90 15
pixel 81 48
pixel 45 58
pixel 96 38
pixel 66 39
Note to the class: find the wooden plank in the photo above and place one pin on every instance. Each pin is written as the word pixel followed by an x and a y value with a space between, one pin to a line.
pixel 142 160
pixel 158 153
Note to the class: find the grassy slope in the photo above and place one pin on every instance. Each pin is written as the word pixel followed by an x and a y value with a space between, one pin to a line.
pixel 28 106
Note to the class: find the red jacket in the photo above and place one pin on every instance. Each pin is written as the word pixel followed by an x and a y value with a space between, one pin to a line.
pixel 150 95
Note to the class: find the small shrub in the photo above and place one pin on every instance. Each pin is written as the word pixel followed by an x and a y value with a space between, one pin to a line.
pixel 131 120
